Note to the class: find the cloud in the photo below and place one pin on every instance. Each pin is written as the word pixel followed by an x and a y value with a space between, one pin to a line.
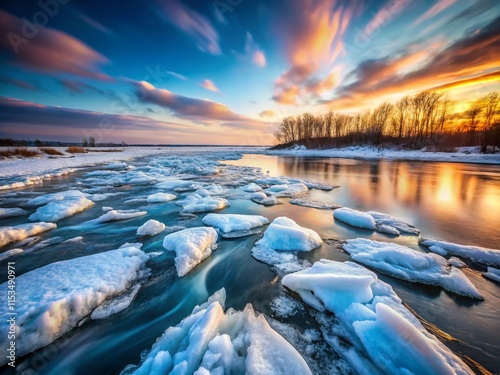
pixel 202 111
pixel 209 85
pixel 253 52
pixel 268 113
pixel 17 82
pixel 473 55
pixel 194 24
pixel 437 8
pixel 47 50
pixel 312 31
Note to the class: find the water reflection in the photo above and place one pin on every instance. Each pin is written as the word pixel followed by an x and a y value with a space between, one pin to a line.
pixel 452 201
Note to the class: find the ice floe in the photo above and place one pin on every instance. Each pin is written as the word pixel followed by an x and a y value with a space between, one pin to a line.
pixel 160 198
pixel 483 255
pixel 384 221
pixel 150 228
pixel 115 215
pixel 287 190
pixel 22 231
pixel 306 202
pixel 11 212
pixel 492 274
pixel 263 199
pixel 251 188
pixel 10 253
pixel 59 205
pixel 210 341
pixel 177 185
pixel 191 246
pixel 411 265
pixel 53 299
pixel 202 201
pixel 375 318
pixel 234 225
pixel 355 218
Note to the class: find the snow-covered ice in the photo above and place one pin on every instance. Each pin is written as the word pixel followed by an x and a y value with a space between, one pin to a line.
pixel 355 218
pixel 10 253
pixel 115 215
pixel 284 234
pixel 53 299
pixel 160 198
pixel 251 188
pixel 263 199
pixel 375 318
pixel 115 305
pixel 10 212
pixel 150 228
pixel 191 246
pixel 235 225
pixel 306 202
pixel 411 265
pixel 22 231
pixel 493 274
pixel 59 205
pixel 483 255
pixel 288 190
pixel 384 221
pixel 210 341
pixel 202 202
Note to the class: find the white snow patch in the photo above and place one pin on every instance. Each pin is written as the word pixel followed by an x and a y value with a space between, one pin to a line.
pixel 150 228
pixel 288 190
pixel 411 265
pixel 202 201
pixel 227 223
pixel 114 215
pixel 59 205
pixel 251 188
pixel 355 218
pixel 191 246
pixel 263 199
pixel 115 305
pixel 160 198
pixel 53 299
pixel 306 202
pixel 492 274
pixel 22 231
pixel 390 224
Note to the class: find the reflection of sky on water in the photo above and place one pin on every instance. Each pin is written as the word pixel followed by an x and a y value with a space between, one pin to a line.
pixel 451 201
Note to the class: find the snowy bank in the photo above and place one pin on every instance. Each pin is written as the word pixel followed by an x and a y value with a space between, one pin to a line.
pixel 210 341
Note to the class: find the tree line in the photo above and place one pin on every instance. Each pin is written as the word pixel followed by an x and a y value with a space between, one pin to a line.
pixel 427 119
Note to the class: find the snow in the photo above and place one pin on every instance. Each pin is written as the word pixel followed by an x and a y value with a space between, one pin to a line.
pixel 263 199
pixel 492 274
pixel 10 212
pixel 306 202
pixel 373 153
pixel 22 231
pixel 284 234
pixel 114 215
pixel 202 201
pixel 160 198
pixel 387 224
pixel 285 306
pixel 19 179
pixel 174 184
pixel 53 299
pixel 381 326
pixel 288 190
pixel 490 257
pixel 411 265
pixel 355 218
pixel 251 188
pixel 191 246
pixel 106 209
pixel 241 224
pixel 116 166
pixel 59 205
pixel 115 305
pixel 211 342
pixel 150 228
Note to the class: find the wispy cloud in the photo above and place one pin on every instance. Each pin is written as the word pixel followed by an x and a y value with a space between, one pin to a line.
pixel 209 85
pixel 194 24
pixel 438 7
pixel 50 52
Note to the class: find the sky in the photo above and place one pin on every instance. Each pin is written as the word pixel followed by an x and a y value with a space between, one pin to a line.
pixel 227 71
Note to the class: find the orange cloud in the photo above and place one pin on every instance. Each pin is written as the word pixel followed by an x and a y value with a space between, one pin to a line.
pixel 209 85
pixel 47 50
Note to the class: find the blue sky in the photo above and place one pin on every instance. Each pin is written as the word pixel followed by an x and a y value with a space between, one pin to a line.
pixel 227 71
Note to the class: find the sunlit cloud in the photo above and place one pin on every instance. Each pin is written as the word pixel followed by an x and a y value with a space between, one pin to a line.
pixel 209 85
pixel 438 7
pixel 47 50
pixel 194 24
